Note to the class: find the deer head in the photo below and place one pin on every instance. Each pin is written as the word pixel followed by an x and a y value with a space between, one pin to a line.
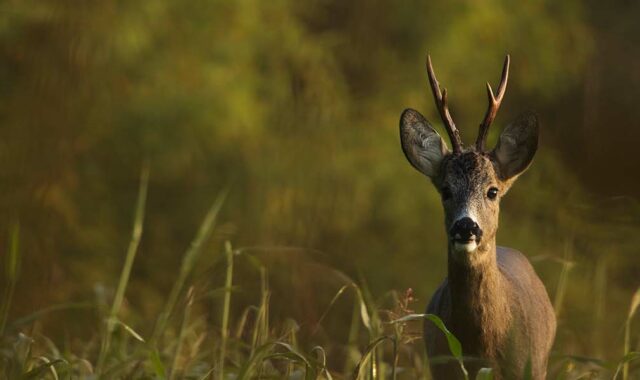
pixel 471 180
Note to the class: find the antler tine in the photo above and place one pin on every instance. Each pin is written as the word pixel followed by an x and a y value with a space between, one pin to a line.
pixel 443 109
pixel 494 105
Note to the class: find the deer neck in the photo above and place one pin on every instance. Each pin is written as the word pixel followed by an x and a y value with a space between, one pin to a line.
pixel 479 305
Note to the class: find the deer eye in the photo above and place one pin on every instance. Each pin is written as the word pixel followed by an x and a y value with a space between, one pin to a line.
pixel 446 193
pixel 492 193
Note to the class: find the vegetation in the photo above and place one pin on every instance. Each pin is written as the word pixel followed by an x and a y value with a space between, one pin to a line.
pixel 291 108
pixel 186 345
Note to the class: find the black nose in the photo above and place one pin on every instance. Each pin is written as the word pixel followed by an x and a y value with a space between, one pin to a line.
pixel 464 229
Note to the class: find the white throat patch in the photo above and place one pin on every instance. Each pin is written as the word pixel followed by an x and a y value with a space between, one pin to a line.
pixel 467 247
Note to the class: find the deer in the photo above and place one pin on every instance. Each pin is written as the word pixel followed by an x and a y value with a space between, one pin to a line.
pixel 492 300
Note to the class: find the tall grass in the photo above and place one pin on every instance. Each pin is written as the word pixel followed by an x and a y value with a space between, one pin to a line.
pixel 382 340
pixel 126 269
pixel 265 349
pixel 628 355
pixel 182 332
pixel 224 332
pixel 563 280
pixel 188 261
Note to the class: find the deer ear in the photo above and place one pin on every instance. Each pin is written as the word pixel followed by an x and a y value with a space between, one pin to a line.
pixel 516 147
pixel 421 144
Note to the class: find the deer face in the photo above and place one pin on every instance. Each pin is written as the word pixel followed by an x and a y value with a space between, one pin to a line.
pixel 469 188
pixel 471 183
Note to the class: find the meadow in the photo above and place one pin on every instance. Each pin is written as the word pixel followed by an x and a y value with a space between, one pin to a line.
pixel 198 335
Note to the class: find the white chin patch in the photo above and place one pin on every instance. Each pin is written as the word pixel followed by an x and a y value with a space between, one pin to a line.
pixel 465 247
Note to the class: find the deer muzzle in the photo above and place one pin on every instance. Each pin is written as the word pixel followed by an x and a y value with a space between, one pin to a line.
pixel 465 235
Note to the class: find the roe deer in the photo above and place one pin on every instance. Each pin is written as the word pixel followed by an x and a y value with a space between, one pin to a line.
pixel 492 300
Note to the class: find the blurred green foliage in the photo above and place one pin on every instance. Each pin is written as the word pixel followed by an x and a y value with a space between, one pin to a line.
pixel 295 106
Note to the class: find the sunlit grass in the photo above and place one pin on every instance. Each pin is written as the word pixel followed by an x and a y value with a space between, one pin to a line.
pixel 112 319
pixel 382 340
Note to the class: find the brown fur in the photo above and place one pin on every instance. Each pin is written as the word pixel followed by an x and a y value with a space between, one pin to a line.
pixel 490 296
pixel 492 300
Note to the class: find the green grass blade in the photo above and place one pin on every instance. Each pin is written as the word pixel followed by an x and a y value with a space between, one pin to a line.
pixel 264 352
pixel 181 335
pixel 323 361
pixel 633 307
pixel 485 374
pixel 129 330
pixel 126 269
pixel 364 313
pixel 352 341
pixel 628 358
pixel 369 354
pixel 188 261
pixel 261 329
pixel 333 301
pixel 563 279
pixel 39 371
pixel 136 235
pixel 224 330
pixel 454 344
pixel 156 362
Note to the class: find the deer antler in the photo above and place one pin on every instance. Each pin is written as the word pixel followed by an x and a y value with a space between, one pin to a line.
pixel 441 104
pixel 494 105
